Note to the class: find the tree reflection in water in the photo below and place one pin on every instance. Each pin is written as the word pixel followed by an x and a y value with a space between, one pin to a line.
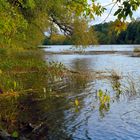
pixel 52 103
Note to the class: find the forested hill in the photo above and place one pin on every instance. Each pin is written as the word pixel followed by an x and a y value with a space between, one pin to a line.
pixel 107 35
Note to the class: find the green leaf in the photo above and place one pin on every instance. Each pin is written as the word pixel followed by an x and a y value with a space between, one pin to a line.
pixel 15 134
pixel 15 84
pixel 117 12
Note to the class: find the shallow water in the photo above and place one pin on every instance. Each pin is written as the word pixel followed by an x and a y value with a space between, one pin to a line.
pixel 106 87
pixel 121 119
pixel 61 48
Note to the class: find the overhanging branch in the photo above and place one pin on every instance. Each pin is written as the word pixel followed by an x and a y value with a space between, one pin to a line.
pixel 67 29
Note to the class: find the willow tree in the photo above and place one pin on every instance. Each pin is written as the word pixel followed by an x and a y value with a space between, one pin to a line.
pixel 23 22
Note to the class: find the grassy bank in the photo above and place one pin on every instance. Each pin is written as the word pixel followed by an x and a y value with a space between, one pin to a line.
pixel 25 78
pixel 16 66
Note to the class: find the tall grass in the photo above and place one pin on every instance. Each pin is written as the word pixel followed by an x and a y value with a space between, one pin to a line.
pixel 136 50
pixel 17 66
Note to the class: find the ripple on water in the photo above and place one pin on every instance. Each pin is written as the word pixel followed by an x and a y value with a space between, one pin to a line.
pixel 122 121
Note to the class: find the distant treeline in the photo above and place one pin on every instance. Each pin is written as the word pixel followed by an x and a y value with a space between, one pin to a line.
pixel 105 34
pixel 57 39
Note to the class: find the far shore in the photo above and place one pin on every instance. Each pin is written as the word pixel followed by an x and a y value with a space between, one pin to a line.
pixel 130 53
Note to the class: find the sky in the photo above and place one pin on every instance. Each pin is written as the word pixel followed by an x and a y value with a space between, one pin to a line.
pixel 111 17
pixel 101 19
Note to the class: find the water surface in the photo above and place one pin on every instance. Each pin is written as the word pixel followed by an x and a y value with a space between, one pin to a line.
pixel 61 48
pixel 105 85
pixel 121 119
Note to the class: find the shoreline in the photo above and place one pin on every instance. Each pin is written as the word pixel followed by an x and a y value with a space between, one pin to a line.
pixel 131 53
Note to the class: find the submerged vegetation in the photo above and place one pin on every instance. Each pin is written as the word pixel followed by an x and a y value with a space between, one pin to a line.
pixel 136 52
pixel 33 92
pixel 14 64
pixel 25 78
pixel 137 49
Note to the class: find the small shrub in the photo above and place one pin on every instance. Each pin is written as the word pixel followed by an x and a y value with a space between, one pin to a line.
pixel 137 49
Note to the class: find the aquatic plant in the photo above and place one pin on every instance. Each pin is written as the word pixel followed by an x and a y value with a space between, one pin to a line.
pixel 76 102
pixel 137 49
pixel 104 102
pixel 115 82
pixel 103 97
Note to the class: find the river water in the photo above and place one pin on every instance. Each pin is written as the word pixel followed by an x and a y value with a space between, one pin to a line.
pixel 119 118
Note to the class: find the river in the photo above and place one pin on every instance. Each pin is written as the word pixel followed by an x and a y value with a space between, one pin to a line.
pixel 120 119
pixel 95 97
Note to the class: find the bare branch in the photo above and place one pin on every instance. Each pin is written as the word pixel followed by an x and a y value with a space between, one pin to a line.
pixel 67 29
pixel 110 11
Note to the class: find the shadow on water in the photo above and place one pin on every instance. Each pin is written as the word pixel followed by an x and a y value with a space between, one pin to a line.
pixel 37 105
pixel 105 116
pixel 89 102
pixel 43 101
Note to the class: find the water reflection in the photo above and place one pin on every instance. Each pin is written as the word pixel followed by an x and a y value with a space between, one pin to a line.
pixel 107 104
pixel 57 110
pixel 33 106
pixel 84 66
pixel 95 119
pixel 83 76
pixel 116 84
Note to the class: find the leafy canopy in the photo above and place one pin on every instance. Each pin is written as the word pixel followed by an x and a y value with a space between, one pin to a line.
pixel 23 22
